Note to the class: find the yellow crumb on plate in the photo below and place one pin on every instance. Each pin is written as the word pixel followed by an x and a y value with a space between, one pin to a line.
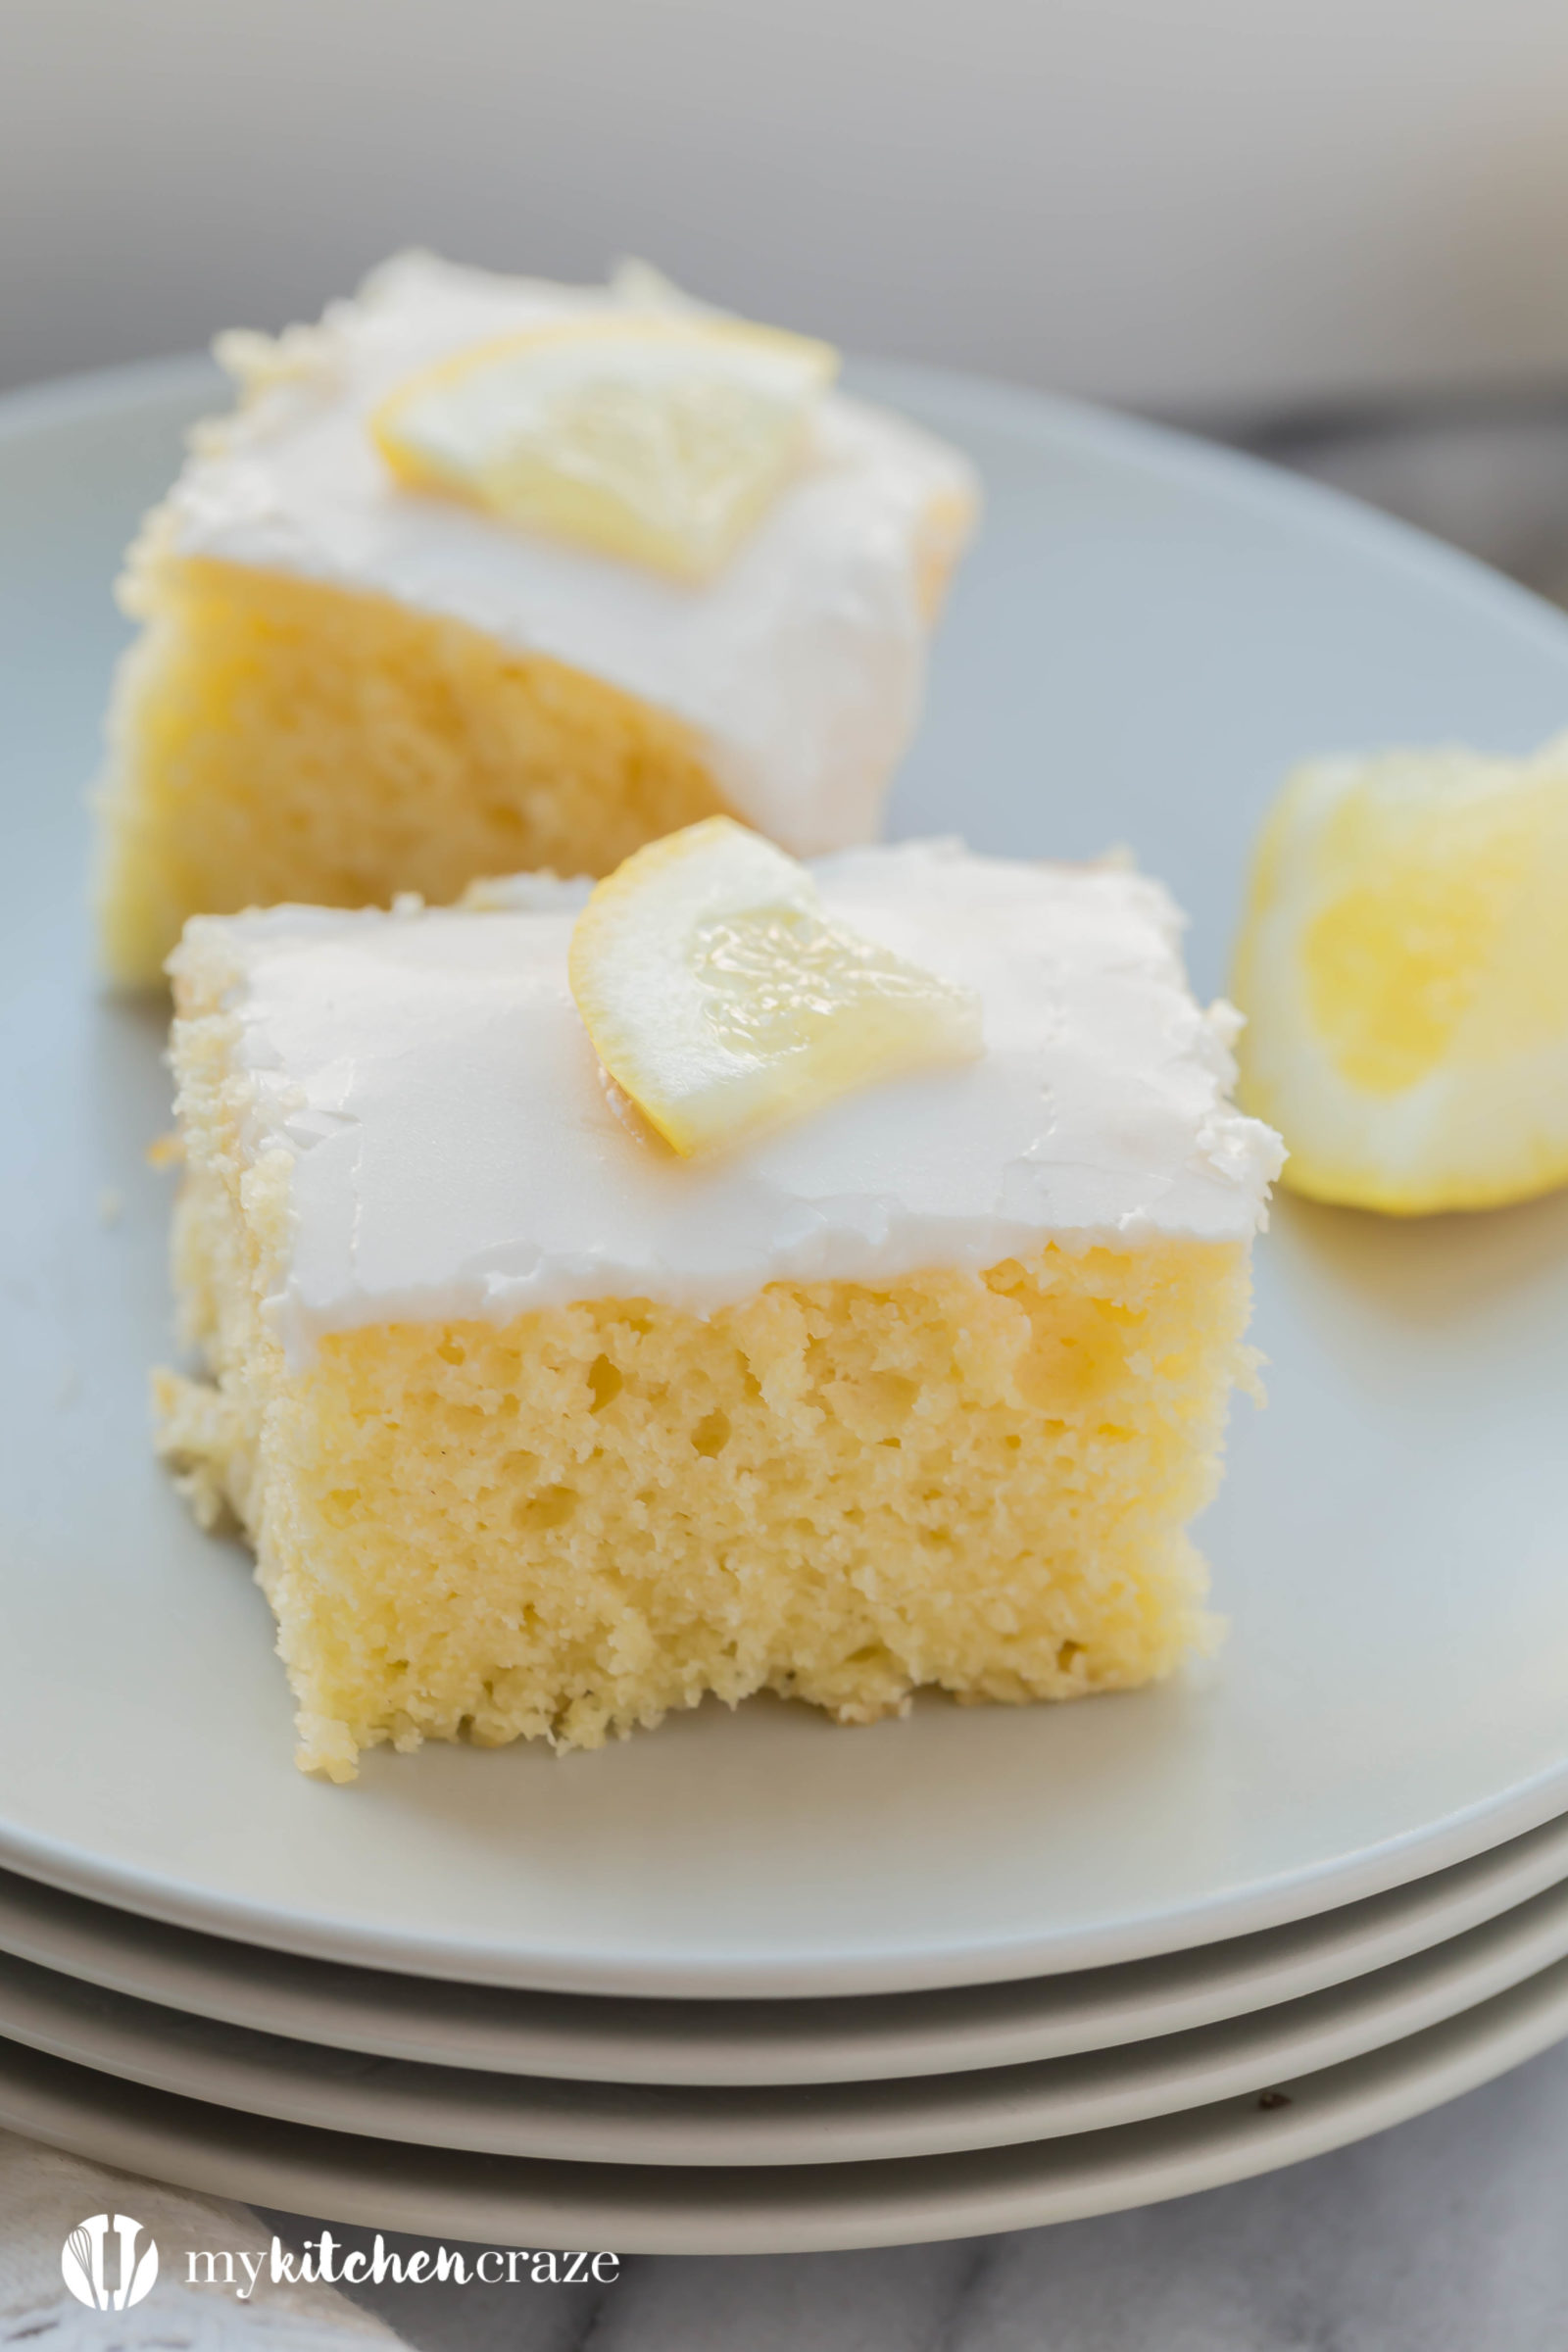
pixel 1403 970
pixel 658 440
pixel 723 1000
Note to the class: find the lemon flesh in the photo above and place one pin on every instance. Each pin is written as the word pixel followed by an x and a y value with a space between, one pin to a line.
pixel 723 998
pixel 661 441
pixel 1403 970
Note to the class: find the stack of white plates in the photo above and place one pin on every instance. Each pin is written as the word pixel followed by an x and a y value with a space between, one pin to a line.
pixel 753 1981
pixel 714 2126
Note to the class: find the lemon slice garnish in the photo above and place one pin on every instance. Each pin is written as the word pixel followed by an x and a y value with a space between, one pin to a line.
pixel 662 440
pixel 1403 970
pixel 723 998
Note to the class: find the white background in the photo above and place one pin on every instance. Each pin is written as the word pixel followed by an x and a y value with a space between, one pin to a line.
pixel 1201 204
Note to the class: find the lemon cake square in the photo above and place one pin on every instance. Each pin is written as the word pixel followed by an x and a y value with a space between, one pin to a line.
pixel 540 1430
pixel 489 573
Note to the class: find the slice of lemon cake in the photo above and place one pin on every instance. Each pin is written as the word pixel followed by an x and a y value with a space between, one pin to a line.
pixel 908 1365
pixel 488 574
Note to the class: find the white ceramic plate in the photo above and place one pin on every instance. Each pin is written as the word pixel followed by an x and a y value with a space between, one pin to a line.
pixel 740 2043
pixel 1148 633
pixel 498 2200
pixel 817 2124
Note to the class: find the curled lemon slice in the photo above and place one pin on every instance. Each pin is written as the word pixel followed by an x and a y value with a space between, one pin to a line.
pixel 1403 970
pixel 723 998
pixel 661 440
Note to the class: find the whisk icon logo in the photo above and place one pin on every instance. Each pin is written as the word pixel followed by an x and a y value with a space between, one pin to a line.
pixel 84 2266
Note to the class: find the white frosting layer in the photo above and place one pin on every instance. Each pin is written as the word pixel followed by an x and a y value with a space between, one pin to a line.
pixel 801 667
pixel 454 1153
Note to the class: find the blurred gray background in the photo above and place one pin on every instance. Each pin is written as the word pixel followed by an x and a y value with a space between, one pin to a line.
pixel 1212 205
pixel 1337 233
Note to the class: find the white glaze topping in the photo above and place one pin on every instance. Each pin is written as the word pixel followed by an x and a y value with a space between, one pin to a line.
pixel 801 667
pixel 454 1152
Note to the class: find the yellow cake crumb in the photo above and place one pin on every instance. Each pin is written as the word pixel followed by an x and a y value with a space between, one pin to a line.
pixel 564 1526
pixel 483 574
pixel 271 738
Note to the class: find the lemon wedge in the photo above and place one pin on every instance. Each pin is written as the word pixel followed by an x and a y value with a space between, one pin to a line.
pixel 661 440
pixel 1403 970
pixel 724 999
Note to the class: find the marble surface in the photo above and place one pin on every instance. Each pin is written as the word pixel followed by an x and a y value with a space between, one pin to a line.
pixel 1443 2236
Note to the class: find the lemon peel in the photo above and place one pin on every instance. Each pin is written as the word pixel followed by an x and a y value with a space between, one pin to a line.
pixel 661 440
pixel 724 999
pixel 1402 966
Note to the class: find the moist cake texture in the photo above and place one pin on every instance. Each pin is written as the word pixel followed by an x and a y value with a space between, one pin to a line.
pixel 539 1431
pixel 344 688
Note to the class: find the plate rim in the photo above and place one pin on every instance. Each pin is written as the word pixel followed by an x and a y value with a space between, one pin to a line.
pixel 88 1945
pixel 918 2200
pixel 449 2107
